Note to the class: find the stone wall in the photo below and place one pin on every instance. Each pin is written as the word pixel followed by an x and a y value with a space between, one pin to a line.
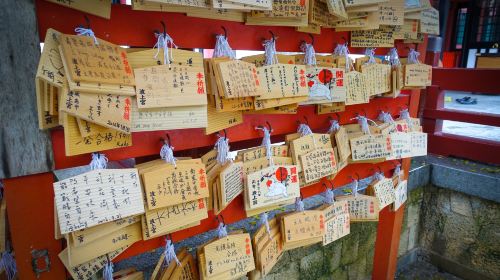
pixel 350 257
pixel 462 229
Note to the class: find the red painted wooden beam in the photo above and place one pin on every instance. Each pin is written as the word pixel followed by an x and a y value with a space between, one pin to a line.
pixel 464 147
pixel 148 143
pixel 470 80
pixel 463 116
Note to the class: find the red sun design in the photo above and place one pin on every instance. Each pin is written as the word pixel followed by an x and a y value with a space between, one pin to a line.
pixel 325 76
pixel 310 83
pixel 268 183
pixel 281 173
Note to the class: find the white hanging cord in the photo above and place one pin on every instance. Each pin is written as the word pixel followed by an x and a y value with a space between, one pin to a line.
pixel 99 161
pixel 379 176
pixel 8 264
pixel 354 188
pixel 165 42
pixel 344 51
pixel 334 126
pixel 86 32
pixel 222 147
pixel 309 53
pixel 329 196
pixel 397 172
pixel 304 130
pixel 270 51
pixel 385 117
pixel 413 57
pixel 370 52
pixel 222 47
pixel 394 57
pixel 107 271
pixel 167 153
pixel 266 142
pixel 264 221
pixel 221 230
pixel 299 204
pixel 170 253
pixel 363 122
pixel 405 115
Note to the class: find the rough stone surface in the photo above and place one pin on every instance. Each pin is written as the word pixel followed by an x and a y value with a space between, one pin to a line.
pixel 311 266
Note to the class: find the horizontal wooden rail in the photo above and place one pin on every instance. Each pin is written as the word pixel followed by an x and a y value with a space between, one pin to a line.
pixel 148 143
pixel 445 144
pixel 469 80
pixel 463 116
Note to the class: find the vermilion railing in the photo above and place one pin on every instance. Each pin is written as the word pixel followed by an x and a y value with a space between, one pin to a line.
pixel 485 81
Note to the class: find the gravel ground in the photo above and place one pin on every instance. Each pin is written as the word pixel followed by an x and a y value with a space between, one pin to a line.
pixel 422 270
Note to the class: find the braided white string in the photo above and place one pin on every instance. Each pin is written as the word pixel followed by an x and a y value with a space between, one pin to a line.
pixel 405 115
pixel 170 253
pixel 221 230
pixel 354 188
pixel 8 264
pixel 309 53
pixel 107 271
pixel 329 196
pixel 344 50
pixel 413 57
pixel 363 122
pixel 334 126
pixel 86 32
pixel 394 57
pixel 370 52
pixel 266 142
pixel 264 221
pixel 270 51
pixel 222 47
pixel 299 205
pixel 167 154
pixel 304 130
pixel 99 161
pixel 166 43
pixel 397 172
pixel 222 147
pixel 385 117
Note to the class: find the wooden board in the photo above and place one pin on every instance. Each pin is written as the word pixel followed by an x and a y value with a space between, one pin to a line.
pixel 370 147
pixel 357 88
pixel 301 226
pixel 97 197
pixel 429 21
pixel 272 185
pixel 326 85
pixel 217 121
pixel 107 139
pixel 238 79
pixel 372 39
pixel 181 83
pixel 282 80
pixel 106 110
pixel 318 163
pixel 101 8
pixel 361 207
pixel 88 235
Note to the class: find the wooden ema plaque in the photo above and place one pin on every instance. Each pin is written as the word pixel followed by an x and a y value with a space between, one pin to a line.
pixel 100 8
pixel 108 243
pixel 378 38
pixel 97 197
pixel 260 152
pixel 429 21
pixel 49 81
pixel 326 85
pixel 238 79
pixel 231 183
pixel 337 227
pixel 401 194
pixel 173 85
pixel 232 254
pixel 301 226
pixel 101 139
pixel 87 235
pixel 168 219
pixel 384 191
pixel 337 8
pixel 261 163
pixel 272 185
pixel 260 60
pixel 342 142
pixel 370 147
pixel 417 75
pixel 282 80
pixel 112 111
pixel 357 88
pixel 96 68
pixel 378 78
pixel 400 145
pixel 362 208
pixel 418 144
pixel 330 108
pixel 168 185
pixel 88 269
pixel 303 145
pixel 318 163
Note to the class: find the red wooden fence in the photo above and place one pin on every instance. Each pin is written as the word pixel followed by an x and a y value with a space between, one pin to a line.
pixel 469 80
